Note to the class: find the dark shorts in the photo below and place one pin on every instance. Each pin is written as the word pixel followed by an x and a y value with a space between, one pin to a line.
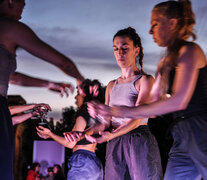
pixel 6 141
pixel 84 165
pixel 134 155
pixel 188 155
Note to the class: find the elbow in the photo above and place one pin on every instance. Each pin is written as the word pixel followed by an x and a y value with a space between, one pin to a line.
pixel 179 102
pixel 69 145
pixel 181 106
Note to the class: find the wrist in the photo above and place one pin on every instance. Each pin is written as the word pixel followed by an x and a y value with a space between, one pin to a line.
pixel 50 134
pixel 111 136
pixel 48 84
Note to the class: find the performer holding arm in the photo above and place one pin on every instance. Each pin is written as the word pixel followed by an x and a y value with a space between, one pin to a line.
pixel 83 164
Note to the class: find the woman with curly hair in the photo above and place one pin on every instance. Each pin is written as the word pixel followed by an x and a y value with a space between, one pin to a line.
pixel 83 164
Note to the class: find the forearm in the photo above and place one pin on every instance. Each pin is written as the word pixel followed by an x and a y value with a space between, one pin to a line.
pixel 69 68
pixel 148 110
pixel 61 140
pixel 24 80
pixel 95 129
pixel 21 118
pixel 20 108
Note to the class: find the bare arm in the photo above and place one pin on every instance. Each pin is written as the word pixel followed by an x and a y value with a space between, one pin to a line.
pixel 191 59
pixel 46 133
pixel 21 118
pixel 21 108
pixel 24 37
pixel 25 80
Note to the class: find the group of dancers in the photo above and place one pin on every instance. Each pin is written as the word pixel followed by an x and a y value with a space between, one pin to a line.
pixel 120 116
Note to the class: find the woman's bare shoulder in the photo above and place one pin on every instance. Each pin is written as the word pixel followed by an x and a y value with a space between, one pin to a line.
pixel 147 78
pixel 111 83
pixel 192 54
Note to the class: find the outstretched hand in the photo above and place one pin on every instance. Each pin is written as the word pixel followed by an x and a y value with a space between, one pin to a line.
pixel 62 88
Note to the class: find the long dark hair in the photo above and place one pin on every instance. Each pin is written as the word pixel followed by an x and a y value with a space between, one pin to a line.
pixel 89 96
pixel 132 35
pixel 59 175
pixel 34 165
pixel 182 11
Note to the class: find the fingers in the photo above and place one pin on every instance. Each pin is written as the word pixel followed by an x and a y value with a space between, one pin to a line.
pixel 96 91
pixel 42 136
pixel 90 138
pixel 42 130
pixel 99 112
pixel 41 133
pixel 73 136
pixel 46 106
pixel 62 88
pixel 91 109
pixel 70 137
pixel 42 107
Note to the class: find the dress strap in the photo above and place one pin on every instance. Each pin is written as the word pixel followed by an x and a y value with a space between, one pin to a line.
pixel 136 78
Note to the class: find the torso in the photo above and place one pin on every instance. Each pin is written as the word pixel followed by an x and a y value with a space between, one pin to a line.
pixel 7 67
pixel 84 144
pixel 7 53
pixel 7 34
pixel 123 93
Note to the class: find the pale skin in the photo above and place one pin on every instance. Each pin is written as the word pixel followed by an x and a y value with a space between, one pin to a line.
pixel 72 137
pixel 14 34
pixel 37 108
pixel 190 60
pixel 125 53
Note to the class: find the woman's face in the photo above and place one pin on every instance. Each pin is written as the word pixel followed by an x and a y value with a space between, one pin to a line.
pixel 37 168
pixel 79 98
pixel 160 29
pixel 125 52
pixel 55 170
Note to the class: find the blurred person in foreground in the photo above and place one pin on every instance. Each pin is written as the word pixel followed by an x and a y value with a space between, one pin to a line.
pixel 15 34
